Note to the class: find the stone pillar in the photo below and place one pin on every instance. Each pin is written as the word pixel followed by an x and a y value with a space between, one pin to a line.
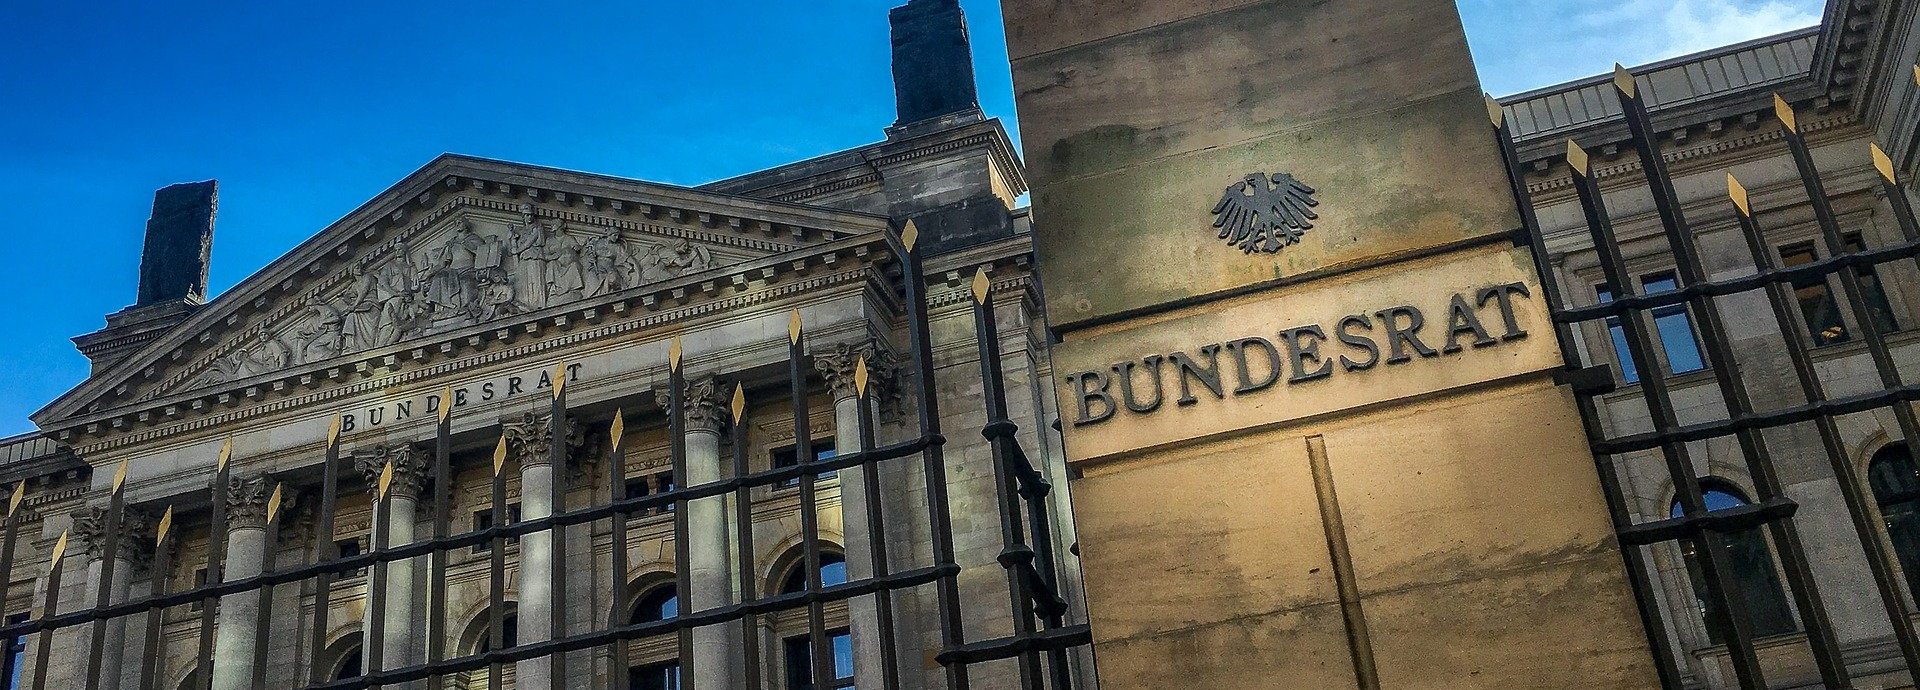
pixel 1307 378
pixel 837 366
pixel 530 440
pixel 709 543
pixel 410 472
pixel 246 556
pixel 133 550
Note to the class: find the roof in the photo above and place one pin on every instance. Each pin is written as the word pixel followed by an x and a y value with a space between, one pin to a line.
pixel 1757 65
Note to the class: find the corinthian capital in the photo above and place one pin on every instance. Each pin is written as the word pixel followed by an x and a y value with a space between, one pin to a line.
pixel 530 438
pixel 135 539
pixel 409 468
pixel 247 499
pixel 706 408
pixel 839 361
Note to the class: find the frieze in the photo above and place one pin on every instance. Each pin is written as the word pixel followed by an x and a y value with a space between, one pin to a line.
pixel 636 322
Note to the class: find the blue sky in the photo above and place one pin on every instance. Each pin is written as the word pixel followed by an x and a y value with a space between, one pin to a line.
pixel 305 110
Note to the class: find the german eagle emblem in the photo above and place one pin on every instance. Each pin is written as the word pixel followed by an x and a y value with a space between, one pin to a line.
pixel 1263 213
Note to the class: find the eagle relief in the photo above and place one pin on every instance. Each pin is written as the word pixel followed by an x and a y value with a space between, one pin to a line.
pixel 1263 213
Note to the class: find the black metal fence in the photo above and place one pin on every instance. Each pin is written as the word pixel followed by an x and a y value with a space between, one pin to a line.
pixel 1707 531
pixel 1039 643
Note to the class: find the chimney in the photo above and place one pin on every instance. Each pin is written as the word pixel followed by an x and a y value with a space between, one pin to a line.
pixel 173 274
pixel 932 68
pixel 179 242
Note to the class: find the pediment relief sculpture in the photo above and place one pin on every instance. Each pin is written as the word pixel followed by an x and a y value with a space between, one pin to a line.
pixel 476 269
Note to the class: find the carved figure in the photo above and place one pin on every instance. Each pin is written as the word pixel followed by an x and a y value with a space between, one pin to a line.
pixel 528 247
pixel 566 276
pixel 610 266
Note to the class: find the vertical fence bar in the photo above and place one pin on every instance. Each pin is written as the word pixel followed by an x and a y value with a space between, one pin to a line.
pixel 617 527
pixel 442 527
pixel 1016 557
pixel 324 550
pixel 11 536
pixel 43 647
pixel 1726 372
pixel 952 626
pixel 1877 349
pixel 682 555
pixel 103 590
pixel 876 529
pixel 743 543
pixel 216 559
pixel 497 565
pixel 263 616
pixel 822 659
pixel 153 657
pixel 1665 662
pixel 376 618
pixel 1794 332
pixel 1728 612
pixel 557 455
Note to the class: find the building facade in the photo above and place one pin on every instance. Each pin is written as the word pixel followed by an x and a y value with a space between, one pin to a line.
pixel 477 287
pixel 1851 81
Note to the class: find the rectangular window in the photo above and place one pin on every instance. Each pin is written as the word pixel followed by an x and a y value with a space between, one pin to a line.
pixel 799 660
pixel 1629 372
pixel 660 676
pixel 16 658
pixel 483 519
pixel 788 456
pixel 199 580
pixel 1817 306
pixel 1879 310
pixel 1675 327
pixel 1672 326
pixel 350 547
pixel 649 485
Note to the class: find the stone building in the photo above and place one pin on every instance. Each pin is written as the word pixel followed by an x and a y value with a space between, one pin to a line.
pixel 1852 81
pixel 466 284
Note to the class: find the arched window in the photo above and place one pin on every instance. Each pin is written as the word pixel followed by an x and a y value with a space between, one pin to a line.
pixel 349 664
pixel 1753 575
pixel 833 571
pixel 1895 481
pixel 509 633
pixel 660 603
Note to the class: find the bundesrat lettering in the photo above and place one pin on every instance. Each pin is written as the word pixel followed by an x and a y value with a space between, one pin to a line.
pixel 1391 336
pixel 482 391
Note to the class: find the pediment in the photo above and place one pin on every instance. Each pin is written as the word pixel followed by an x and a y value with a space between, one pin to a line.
pixel 460 244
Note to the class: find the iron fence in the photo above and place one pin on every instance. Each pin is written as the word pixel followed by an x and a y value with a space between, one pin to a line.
pixel 1039 643
pixel 1707 530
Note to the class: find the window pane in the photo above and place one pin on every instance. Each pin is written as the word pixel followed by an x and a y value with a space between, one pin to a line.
pixel 1628 372
pixel 1674 326
pixel 1817 305
pixel 1895 480
pixel 1879 311
pixel 1754 577
pixel 843 656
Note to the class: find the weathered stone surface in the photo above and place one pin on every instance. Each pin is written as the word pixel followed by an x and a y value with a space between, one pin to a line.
pixel 932 60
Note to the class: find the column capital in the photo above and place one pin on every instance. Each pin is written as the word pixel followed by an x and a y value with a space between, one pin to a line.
pixel 247 498
pixel 410 469
pixel 837 362
pixel 530 438
pixel 136 534
pixel 706 407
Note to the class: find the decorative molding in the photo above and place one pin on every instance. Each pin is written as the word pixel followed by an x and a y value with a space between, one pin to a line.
pixel 410 471
pixel 247 499
pixel 704 406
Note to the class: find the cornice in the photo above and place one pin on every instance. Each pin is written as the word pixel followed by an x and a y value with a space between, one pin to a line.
pixel 384 220
pixel 1553 176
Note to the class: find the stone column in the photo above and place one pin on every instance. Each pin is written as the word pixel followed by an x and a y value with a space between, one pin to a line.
pixel 246 556
pixel 409 477
pixel 136 538
pixel 709 543
pixel 531 441
pixel 837 365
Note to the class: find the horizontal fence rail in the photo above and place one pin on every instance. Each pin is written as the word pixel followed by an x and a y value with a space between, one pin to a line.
pixel 1706 531
pixel 235 602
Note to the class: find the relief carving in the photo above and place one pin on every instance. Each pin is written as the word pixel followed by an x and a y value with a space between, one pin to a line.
pixel 475 272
